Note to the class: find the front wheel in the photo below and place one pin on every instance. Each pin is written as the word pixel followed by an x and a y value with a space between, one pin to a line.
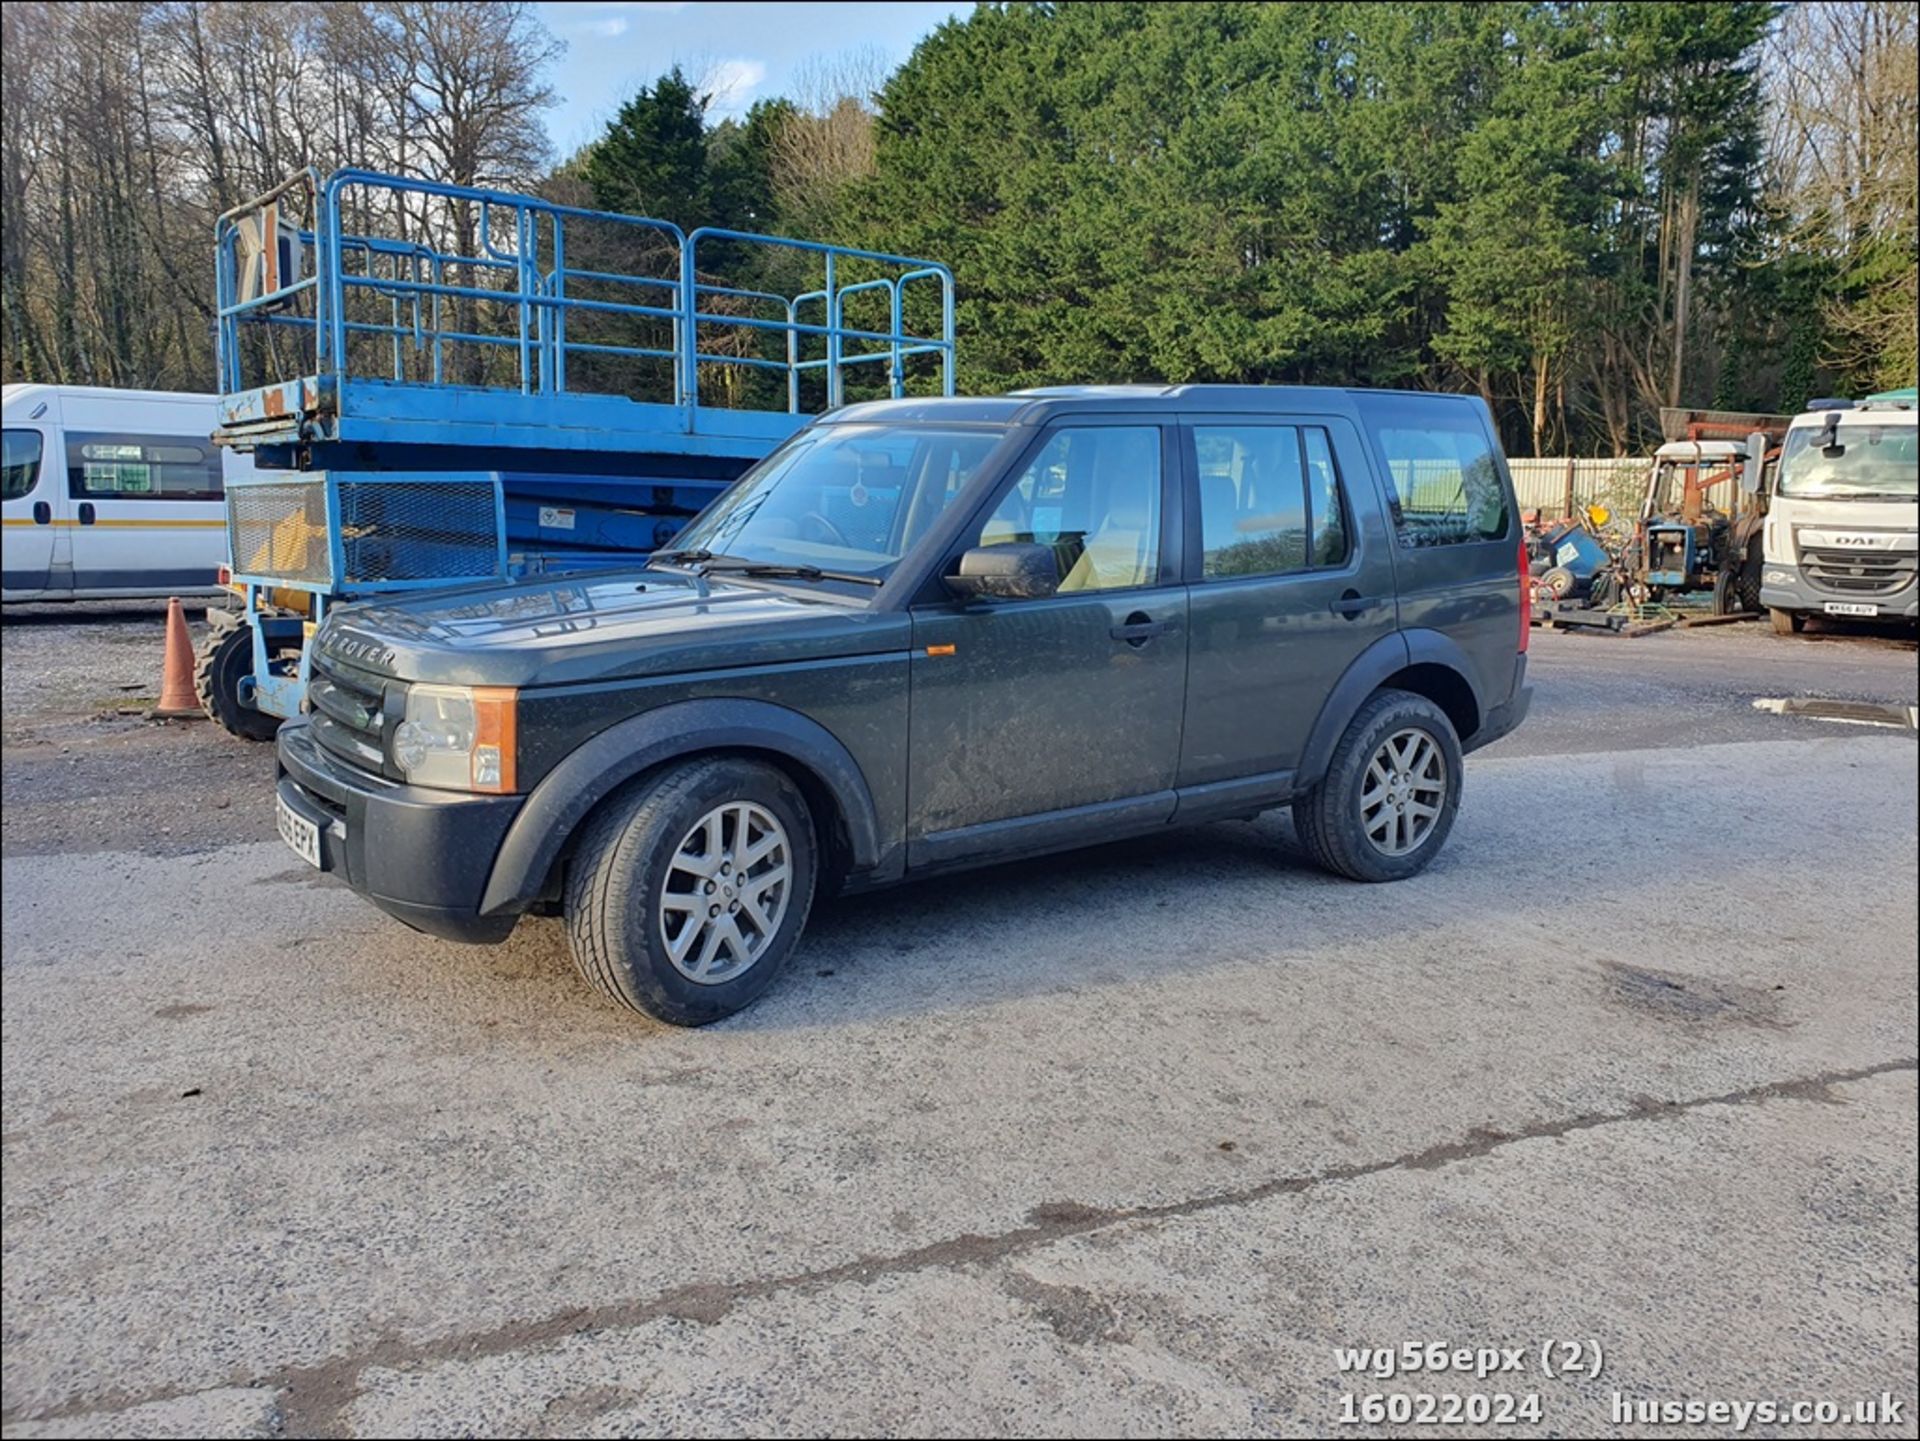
pixel 1388 799
pixel 220 667
pixel 687 894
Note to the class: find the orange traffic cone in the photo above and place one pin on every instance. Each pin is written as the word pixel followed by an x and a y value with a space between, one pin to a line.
pixel 176 688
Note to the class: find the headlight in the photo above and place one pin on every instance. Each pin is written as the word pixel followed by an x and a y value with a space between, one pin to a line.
pixel 457 738
pixel 1778 577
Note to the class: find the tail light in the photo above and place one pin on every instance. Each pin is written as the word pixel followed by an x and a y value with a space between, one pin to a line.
pixel 1526 597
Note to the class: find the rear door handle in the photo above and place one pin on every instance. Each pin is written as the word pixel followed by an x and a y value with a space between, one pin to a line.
pixel 86 512
pixel 1353 603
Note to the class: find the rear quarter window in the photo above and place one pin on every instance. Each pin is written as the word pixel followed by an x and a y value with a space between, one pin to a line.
pixel 1445 476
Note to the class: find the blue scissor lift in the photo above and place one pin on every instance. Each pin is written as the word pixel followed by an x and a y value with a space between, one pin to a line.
pixel 441 384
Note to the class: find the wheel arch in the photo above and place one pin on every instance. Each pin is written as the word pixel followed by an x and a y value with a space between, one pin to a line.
pixel 559 807
pixel 1424 662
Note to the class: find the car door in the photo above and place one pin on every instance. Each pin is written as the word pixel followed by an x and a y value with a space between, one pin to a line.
pixel 1292 578
pixel 1044 722
pixel 32 509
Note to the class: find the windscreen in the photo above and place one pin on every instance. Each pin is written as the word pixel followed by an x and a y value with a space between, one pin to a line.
pixel 847 498
pixel 1868 461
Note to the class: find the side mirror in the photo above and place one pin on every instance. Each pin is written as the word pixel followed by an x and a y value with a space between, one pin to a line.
pixel 1756 458
pixel 1021 571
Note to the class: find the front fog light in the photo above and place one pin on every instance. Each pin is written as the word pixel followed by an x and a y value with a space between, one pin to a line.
pixel 1778 577
pixel 457 738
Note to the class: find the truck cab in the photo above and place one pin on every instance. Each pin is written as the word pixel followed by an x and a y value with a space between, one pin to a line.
pixel 1842 536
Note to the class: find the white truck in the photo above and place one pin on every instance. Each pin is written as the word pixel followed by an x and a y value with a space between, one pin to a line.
pixel 1843 530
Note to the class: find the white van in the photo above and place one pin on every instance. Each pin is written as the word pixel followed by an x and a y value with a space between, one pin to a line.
pixel 111 494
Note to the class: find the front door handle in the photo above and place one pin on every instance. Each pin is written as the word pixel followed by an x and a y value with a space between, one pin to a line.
pixel 1353 603
pixel 86 512
pixel 42 513
pixel 1139 628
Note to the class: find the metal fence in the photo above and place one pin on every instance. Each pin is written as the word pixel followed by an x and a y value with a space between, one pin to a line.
pixel 1562 485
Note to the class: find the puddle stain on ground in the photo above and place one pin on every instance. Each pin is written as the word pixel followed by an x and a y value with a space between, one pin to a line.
pixel 1673 995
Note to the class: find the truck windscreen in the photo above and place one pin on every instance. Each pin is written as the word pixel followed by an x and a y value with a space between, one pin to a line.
pixel 1868 461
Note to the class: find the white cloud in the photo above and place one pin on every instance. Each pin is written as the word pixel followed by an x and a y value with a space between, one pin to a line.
pixel 731 81
pixel 609 28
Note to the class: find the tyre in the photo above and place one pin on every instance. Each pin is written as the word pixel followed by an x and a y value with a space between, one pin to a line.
pixel 224 659
pixel 1559 582
pixel 1723 597
pixel 1788 622
pixel 1384 808
pixel 687 893
pixel 1746 583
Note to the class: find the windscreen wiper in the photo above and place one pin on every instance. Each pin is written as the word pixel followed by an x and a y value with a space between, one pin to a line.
pixel 730 565
pixel 682 557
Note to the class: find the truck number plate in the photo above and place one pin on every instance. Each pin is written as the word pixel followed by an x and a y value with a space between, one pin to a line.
pixel 1847 607
pixel 298 832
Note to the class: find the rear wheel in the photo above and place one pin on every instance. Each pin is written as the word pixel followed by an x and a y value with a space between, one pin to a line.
pixel 1746 583
pixel 1387 802
pixel 224 660
pixel 1788 622
pixel 1724 602
pixel 687 895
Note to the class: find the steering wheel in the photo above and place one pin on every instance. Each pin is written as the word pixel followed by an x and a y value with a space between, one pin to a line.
pixel 834 533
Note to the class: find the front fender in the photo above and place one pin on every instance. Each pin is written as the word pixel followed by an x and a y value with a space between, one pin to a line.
pixel 556 807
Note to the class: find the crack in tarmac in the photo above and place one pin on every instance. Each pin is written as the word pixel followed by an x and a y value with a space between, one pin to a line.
pixel 316 1398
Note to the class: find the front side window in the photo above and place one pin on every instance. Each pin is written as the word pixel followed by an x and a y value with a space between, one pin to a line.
pixel 1269 500
pixel 1446 481
pixel 1093 495
pixel 142 467
pixel 22 463
pixel 847 498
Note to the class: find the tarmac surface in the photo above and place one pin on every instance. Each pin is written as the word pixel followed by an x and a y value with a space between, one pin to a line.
pixel 1126 1141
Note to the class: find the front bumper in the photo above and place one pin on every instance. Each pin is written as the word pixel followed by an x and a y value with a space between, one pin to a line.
pixel 1786 587
pixel 421 855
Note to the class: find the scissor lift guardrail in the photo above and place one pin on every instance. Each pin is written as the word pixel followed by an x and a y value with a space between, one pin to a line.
pixel 286 263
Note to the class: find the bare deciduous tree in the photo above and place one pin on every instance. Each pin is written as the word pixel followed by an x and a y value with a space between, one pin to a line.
pixel 1845 103
pixel 128 128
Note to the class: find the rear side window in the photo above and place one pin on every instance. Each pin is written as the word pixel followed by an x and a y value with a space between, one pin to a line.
pixel 22 463
pixel 142 467
pixel 1446 481
pixel 1269 500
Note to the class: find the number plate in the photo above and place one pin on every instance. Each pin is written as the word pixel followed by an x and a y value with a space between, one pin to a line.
pixel 301 834
pixel 1845 607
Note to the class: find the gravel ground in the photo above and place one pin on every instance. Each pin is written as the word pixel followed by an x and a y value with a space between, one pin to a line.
pixel 1121 1142
pixel 86 764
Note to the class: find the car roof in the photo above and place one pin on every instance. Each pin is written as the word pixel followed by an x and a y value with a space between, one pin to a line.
pixel 1030 406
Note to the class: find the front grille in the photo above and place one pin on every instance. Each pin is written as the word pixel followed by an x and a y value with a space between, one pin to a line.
pixel 280 530
pixel 1858 572
pixel 348 716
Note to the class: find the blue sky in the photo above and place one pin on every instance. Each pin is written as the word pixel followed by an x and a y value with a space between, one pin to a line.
pixel 753 51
